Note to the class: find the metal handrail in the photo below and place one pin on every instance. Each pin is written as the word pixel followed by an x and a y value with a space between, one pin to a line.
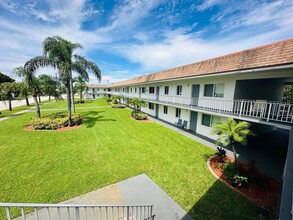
pixel 87 211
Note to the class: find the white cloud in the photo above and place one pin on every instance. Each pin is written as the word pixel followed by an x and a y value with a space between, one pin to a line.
pixel 206 4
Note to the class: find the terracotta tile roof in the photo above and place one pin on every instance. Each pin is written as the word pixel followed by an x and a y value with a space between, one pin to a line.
pixel 96 86
pixel 274 54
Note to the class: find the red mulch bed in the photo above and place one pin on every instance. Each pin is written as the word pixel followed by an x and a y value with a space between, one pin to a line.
pixel 265 194
pixel 145 120
pixel 30 128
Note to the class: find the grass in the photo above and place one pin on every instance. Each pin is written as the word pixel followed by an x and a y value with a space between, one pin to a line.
pixel 52 166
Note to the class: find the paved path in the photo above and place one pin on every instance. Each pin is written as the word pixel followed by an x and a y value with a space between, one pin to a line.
pixel 136 190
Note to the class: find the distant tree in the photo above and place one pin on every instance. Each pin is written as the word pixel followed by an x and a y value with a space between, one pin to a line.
pixel 80 86
pixel 288 93
pixel 5 78
pixel 49 86
pixel 232 133
pixel 117 98
pixel 7 91
pixel 30 80
pixel 24 92
pixel 137 103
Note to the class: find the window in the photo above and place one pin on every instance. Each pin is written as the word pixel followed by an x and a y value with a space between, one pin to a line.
pixel 135 89
pixel 166 90
pixel 151 106
pixel 179 90
pixel 152 90
pixel 214 90
pixel 123 89
pixel 93 90
pixel 178 112
pixel 104 89
pixel 131 90
pixel 165 109
pixel 209 120
pixel 142 89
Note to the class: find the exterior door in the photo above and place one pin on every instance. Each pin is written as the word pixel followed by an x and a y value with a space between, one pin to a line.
pixel 157 110
pixel 195 94
pixel 157 92
pixel 193 121
pixel 94 96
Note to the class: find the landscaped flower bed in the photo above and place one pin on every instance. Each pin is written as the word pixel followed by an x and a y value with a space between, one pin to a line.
pixel 55 121
pixel 259 187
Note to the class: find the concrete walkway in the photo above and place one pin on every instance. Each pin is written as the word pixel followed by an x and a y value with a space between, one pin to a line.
pixel 16 103
pixel 136 190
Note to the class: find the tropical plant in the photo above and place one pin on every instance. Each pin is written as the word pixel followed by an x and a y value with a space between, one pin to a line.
pixel 7 91
pixel 116 99
pixel 232 132
pixel 79 86
pixel 288 93
pixel 137 103
pixel 24 92
pixel 49 86
pixel 58 53
pixel 31 82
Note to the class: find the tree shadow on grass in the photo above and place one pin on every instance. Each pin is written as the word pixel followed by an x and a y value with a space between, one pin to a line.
pixel 92 117
pixel 220 202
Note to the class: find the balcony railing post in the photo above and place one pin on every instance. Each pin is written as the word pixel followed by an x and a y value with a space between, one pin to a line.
pixel 269 112
pixel 241 107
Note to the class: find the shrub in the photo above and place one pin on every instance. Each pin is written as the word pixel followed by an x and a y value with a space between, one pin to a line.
pixel 54 121
pixel 108 100
pixel 139 115
pixel 221 154
pixel 230 170
pixel 113 105
pixel 79 101
pixel 239 180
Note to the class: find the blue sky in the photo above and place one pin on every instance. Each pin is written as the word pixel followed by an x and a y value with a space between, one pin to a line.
pixel 128 38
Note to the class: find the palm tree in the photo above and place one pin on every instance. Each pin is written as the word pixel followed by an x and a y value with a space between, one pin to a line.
pixel 49 86
pixel 58 53
pixel 117 98
pixel 24 92
pixel 7 91
pixel 137 103
pixel 32 83
pixel 79 86
pixel 233 133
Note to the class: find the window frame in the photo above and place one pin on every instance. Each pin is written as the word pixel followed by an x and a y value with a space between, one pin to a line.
pixel 151 106
pixel 151 90
pixel 165 109
pixel 179 90
pixel 166 90
pixel 213 92
pixel 178 113
pixel 143 90
pixel 212 120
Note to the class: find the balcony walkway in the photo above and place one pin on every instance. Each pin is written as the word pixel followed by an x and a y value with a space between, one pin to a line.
pixel 136 190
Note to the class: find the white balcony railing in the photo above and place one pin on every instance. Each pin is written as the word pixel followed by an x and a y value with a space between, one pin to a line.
pixel 270 111
pixel 81 211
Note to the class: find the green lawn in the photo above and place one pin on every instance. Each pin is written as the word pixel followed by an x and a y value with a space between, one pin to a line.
pixel 52 166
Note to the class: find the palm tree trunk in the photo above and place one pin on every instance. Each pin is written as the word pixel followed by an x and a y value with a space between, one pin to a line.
pixel 80 98
pixel 39 95
pixel 235 155
pixel 27 102
pixel 9 105
pixel 69 105
pixel 49 97
pixel 71 92
pixel 37 106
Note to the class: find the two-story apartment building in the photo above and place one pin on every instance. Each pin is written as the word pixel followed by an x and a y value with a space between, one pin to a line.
pixel 95 91
pixel 247 85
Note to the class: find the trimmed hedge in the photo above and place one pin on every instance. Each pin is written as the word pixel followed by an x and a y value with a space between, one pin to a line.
pixel 79 101
pixel 139 115
pixel 117 105
pixel 54 121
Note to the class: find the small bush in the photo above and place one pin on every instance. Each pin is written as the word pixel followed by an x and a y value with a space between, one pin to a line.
pixel 230 170
pixel 139 115
pixel 117 105
pixel 79 101
pixel 239 180
pixel 54 121
pixel 108 100
pixel 221 154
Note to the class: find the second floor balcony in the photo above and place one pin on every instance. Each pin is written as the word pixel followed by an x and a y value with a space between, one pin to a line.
pixel 260 109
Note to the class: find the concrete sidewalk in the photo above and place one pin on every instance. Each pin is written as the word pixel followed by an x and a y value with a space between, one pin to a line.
pixel 136 190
